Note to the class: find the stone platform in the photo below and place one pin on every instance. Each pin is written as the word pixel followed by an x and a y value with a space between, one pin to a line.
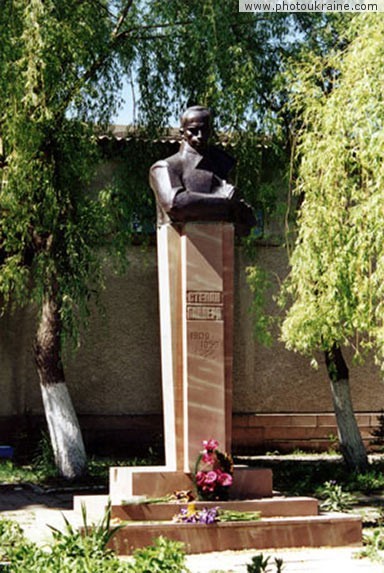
pixel 285 522
pixel 157 481
pixel 278 532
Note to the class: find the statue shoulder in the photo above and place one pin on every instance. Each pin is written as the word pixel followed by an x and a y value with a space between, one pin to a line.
pixel 159 164
pixel 174 163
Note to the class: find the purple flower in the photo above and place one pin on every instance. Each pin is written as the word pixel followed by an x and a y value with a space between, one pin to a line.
pixel 187 516
pixel 208 516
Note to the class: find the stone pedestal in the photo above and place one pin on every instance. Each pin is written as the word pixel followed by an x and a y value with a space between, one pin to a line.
pixel 196 307
pixel 195 263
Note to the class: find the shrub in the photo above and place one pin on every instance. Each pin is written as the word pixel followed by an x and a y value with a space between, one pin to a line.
pixel 11 536
pixel 72 551
pixel 260 564
pixel 164 556
pixel 335 498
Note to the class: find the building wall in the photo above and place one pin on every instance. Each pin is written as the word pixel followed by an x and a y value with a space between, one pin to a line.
pixel 115 379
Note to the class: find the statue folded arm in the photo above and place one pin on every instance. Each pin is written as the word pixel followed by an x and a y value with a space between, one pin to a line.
pixel 179 204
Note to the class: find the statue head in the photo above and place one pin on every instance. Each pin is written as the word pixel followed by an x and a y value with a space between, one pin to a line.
pixel 196 126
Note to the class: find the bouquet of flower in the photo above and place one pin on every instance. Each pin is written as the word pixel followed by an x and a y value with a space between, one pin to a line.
pixel 190 514
pixel 210 515
pixel 213 472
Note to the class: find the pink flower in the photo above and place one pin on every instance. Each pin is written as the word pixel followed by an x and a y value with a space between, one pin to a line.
pixel 200 478
pixel 210 477
pixel 210 445
pixel 224 479
pixel 208 458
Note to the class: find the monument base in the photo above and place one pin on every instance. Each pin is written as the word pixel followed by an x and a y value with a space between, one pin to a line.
pixel 157 481
pixel 269 533
pixel 285 522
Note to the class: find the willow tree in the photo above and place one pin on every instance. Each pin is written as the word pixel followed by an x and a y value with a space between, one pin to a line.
pixel 57 75
pixel 336 282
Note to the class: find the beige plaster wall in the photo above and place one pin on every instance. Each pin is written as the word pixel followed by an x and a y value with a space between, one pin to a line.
pixel 276 380
pixel 117 368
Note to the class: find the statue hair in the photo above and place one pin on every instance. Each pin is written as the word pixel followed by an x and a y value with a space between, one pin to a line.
pixel 205 111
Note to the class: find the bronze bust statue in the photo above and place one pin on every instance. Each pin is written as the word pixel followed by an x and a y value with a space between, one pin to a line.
pixel 192 184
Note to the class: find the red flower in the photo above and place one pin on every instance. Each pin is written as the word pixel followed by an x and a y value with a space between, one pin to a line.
pixel 210 477
pixel 208 458
pixel 200 478
pixel 210 445
pixel 224 479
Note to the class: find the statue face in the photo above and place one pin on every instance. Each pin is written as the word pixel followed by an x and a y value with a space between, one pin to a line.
pixel 196 130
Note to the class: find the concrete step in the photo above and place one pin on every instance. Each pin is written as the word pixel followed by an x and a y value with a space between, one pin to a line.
pixel 285 522
pixel 330 530
pixel 157 481
pixel 268 507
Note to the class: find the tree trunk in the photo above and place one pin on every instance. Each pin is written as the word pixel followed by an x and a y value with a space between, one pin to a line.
pixel 351 443
pixel 63 426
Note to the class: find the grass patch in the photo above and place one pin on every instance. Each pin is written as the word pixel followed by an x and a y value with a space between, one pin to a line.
pixel 373 545
pixel 46 475
pixel 11 473
pixel 11 537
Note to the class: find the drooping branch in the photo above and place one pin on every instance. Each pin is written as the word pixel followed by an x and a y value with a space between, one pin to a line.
pixel 122 18
pixel 103 7
pixel 97 64
pixel 128 33
pixel 156 37
pixel 118 36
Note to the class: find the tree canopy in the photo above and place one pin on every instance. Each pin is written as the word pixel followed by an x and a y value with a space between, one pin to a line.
pixel 208 52
pixel 337 266
pixel 58 75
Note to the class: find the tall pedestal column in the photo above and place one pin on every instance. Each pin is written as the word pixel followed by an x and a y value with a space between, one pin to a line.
pixel 207 311
pixel 195 264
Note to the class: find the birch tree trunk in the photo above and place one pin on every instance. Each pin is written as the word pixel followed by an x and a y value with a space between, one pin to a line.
pixel 351 443
pixel 63 425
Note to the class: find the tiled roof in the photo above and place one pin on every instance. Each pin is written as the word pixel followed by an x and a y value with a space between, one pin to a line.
pixel 128 132
pixel 122 133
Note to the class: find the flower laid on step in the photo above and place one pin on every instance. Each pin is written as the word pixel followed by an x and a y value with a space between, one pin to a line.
pixel 184 495
pixel 190 514
pixel 213 472
pixel 210 515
